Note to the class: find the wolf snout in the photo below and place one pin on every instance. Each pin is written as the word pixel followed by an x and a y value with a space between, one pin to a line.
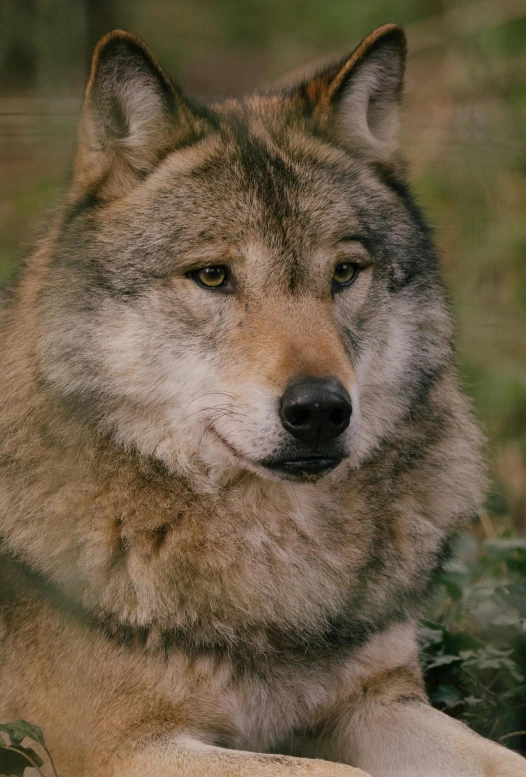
pixel 315 410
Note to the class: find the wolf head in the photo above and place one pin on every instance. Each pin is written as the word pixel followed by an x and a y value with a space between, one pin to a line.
pixel 245 285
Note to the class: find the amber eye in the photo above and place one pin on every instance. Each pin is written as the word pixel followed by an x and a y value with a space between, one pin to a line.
pixel 210 277
pixel 345 273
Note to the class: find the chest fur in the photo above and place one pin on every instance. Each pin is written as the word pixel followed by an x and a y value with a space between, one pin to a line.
pixel 253 568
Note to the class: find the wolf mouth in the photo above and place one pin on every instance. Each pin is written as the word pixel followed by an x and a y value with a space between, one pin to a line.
pixel 300 468
pixel 305 467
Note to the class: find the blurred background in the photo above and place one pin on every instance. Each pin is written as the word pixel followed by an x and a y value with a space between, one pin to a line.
pixel 464 135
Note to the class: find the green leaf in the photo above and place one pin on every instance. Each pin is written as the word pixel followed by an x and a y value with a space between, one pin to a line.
pixel 515 596
pixel 453 588
pixel 518 691
pixel 31 753
pixel 465 654
pixel 448 696
pixel 472 701
pixel 26 751
pixel 19 729
pixel 430 635
pixel 13 764
pixel 443 661
pixel 505 620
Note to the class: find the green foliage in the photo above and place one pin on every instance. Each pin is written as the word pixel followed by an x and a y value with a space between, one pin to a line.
pixel 475 641
pixel 19 729
pixel 15 758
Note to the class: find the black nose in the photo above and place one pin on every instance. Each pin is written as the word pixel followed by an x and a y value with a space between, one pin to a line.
pixel 315 410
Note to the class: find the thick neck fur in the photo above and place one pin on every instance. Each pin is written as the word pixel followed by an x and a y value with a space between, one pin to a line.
pixel 248 564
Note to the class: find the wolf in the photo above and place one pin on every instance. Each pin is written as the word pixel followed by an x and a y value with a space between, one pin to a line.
pixel 233 445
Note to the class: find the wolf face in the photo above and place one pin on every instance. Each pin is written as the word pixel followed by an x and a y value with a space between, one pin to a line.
pixel 246 285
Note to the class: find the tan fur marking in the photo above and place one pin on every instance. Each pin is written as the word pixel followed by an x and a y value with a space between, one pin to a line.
pixel 281 343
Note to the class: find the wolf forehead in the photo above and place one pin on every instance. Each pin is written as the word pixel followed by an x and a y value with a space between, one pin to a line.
pixel 274 197
pixel 291 170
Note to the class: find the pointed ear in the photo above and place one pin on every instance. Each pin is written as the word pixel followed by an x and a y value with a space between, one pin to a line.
pixel 133 115
pixel 359 98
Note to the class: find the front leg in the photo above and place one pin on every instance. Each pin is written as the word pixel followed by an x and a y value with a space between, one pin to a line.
pixel 409 738
pixel 185 756
pixel 386 726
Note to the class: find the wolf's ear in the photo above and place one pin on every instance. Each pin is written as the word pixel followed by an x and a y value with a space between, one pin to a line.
pixel 133 115
pixel 359 98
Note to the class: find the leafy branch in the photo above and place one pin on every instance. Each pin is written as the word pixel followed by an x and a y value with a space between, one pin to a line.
pixel 15 758
pixel 474 643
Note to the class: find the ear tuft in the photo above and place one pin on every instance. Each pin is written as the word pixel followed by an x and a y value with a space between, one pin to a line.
pixel 127 90
pixel 132 115
pixel 359 98
pixel 370 89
